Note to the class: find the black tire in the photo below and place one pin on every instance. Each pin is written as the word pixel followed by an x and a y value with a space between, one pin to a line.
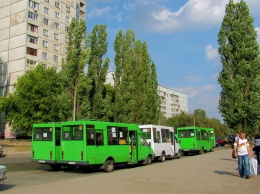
pixel 163 158
pixel 179 155
pixel 185 153
pixel 109 166
pixel 55 167
pixel 148 160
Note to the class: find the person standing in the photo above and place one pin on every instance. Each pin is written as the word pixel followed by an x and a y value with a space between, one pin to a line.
pixel 257 146
pixel 242 150
pixel 237 137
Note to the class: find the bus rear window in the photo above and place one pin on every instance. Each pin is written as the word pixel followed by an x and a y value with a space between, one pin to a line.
pixel 186 133
pixel 72 132
pixel 42 134
pixel 146 133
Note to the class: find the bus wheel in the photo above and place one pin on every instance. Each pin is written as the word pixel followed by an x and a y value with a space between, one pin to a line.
pixel 185 153
pixel 109 166
pixel 55 167
pixel 179 155
pixel 148 160
pixel 163 158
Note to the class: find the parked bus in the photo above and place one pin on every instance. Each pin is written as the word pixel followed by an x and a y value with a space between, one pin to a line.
pixel 103 144
pixel 162 141
pixel 195 139
pixel 46 144
pixel 212 137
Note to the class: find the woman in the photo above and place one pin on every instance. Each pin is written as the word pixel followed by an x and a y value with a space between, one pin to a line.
pixel 257 146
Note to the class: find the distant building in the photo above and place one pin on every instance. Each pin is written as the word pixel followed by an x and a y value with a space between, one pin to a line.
pixel 33 32
pixel 172 101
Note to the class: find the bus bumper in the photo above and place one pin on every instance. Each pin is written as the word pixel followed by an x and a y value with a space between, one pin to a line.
pixel 45 161
pixel 78 163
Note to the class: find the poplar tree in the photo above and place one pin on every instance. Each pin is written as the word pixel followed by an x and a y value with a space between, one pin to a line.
pixel 101 108
pixel 136 97
pixel 72 73
pixel 239 101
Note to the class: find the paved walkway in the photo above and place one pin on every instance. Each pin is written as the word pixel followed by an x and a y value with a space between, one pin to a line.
pixel 213 172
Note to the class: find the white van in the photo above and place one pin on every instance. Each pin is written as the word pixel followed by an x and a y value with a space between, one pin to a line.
pixel 162 141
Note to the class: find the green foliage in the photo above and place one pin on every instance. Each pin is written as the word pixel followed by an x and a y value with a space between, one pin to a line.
pixel 73 79
pixel 239 79
pixel 136 97
pixel 198 118
pixel 33 101
pixel 97 70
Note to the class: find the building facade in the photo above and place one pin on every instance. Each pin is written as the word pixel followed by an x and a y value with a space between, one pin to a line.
pixel 172 101
pixel 33 32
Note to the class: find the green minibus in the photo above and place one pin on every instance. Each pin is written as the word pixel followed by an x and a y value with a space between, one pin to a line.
pixel 195 139
pixel 46 144
pixel 103 144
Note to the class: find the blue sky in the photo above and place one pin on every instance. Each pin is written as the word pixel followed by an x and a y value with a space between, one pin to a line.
pixel 182 39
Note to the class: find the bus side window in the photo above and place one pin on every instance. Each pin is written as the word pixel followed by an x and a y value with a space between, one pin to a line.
pixel 112 135
pixel 90 137
pixel 57 131
pixel 99 138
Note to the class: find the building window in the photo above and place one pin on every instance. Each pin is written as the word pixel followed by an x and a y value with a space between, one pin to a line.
pixel 33 4
pixel 67 9
pixel 66 39
pixel 55 58
pixel 57 14
pixel 46 10
pixel 45 43
pixel 31 63
pixel 66 28
pixel 56 47
pixel 44 55
pixel 67 19
pixel 32 39
pixel 57 4
pixel 46 21
pixel 56 36
pixel 32 15
pixel 32 27
pixel 47 1
pixel 45 32
pixel 31 51
pixel 56 25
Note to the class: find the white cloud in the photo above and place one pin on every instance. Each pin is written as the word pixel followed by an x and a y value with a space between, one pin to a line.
pixel 257 29
pixel 211 53
pixel 98 12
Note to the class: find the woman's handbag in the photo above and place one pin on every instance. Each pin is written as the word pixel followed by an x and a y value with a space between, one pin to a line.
pixel 253 165
pixel 233 154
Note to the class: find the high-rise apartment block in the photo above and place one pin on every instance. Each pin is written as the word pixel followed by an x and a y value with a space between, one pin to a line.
pixel 172 101
pixel 33 32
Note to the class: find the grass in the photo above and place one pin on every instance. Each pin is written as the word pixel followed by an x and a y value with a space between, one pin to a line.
pixel 11 146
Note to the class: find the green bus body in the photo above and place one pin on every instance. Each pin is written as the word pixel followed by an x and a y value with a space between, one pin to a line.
pixel 46 143
pixel 90 143
pixel 196 139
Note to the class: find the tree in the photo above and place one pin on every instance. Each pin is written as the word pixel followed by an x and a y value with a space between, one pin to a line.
pixel 136 97
pixel 35 100
pixel 240 77
pixel 97 70
pixel 72 73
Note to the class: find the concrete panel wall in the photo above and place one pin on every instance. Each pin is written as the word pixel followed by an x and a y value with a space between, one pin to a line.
pixel 19 18
pixel 19 6
pixel 4 34
pixel 4 56
pixel 5 23
pixel 17 53
pixel 18 29
pixel 5 11
pixel 17 41
pixel 4 45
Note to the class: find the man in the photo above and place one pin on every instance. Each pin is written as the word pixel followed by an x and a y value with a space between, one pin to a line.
pixel 242 149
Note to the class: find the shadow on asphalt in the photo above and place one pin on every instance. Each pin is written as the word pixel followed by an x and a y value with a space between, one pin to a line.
pixel 6 187
pixel 225 173
pixel 228 159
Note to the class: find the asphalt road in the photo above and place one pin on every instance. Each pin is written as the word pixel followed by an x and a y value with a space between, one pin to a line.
pixel 213 172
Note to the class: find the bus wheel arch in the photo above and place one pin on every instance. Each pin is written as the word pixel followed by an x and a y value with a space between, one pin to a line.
pixel 163 157
pixel 109 165
pixel 148 160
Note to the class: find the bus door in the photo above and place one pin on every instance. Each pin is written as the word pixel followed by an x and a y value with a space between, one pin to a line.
pixel 175 145
pixel 57 144
pixel 133 146
pixel 99 139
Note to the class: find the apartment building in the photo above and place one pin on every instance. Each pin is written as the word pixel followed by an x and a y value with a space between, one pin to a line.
pixel 33 32
pixel 172 101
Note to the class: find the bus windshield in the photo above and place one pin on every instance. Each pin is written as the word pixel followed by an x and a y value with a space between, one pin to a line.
pixel 189 133
pixel 42 134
